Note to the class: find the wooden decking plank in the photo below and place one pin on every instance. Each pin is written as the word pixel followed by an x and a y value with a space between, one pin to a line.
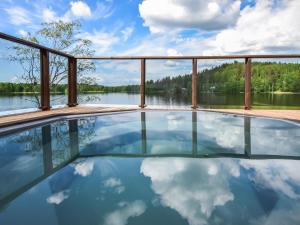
pixel 26 117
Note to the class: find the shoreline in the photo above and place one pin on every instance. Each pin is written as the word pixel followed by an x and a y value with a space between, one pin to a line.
pixel 150 93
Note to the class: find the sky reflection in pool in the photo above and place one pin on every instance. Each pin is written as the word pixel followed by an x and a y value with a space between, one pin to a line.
pixel 59 184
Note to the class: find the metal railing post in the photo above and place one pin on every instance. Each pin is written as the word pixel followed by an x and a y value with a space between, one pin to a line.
pixel 194 84
pixel 45 85
pixel 247 83
pixel 142 86
pixel 72 82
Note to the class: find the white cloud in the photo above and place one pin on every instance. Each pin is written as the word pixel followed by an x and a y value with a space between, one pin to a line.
pixel 279 175
pixel 124 212
pixel 170 15
pixel 23 33
pixel 16 79
pixel 48 15
pixel 195 198
pixel 80 9
pixel 115 184
pixel 18 16
pixel 266 27
pixel 104 9
pixel 127 32
pixel 58 197
pixel 102 41
pixel 112 182
pixel 84 168
pixel 173 52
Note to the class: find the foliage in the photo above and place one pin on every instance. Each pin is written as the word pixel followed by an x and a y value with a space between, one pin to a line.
pixel 59 35
pixel 227 78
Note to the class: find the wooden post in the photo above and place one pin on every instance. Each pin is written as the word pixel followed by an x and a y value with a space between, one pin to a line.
pixel 194 132
pixel 144 133
pixel 47 148
pixel 142 87
pixel 45 87
pixel 194 84
pixel 72 82
pixel 74 139
pixel 247 83
pixel 247 136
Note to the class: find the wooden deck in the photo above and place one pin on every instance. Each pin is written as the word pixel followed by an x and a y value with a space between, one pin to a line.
pixel 78 110
pixel 271 113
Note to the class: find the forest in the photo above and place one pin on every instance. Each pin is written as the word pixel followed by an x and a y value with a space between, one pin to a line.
pixel 227 78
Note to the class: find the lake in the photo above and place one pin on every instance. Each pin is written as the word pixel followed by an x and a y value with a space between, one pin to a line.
pixel 205 100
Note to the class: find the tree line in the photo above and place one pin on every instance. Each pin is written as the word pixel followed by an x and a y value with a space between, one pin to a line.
pixel 226 78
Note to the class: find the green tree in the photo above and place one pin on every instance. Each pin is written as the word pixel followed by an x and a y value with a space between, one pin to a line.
pixel 59 35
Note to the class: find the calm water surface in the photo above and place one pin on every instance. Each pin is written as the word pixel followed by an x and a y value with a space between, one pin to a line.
pixel 152 168
pixel 208 100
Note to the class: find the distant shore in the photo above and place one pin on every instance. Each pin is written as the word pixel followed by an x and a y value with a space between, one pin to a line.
pixel 157 92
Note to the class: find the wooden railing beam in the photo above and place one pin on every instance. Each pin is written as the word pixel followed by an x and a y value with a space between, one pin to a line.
pixel 45 85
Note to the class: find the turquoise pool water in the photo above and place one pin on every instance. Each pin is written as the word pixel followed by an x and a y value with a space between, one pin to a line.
pixel 152 168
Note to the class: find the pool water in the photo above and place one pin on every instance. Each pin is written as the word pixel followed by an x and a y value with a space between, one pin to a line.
pixel 152 168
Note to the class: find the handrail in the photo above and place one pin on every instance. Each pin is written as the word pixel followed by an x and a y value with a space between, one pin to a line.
pixel 32 44
pixel 72 70
pixel 190 57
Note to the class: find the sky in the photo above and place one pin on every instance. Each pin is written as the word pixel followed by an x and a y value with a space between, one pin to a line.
pixel 164 27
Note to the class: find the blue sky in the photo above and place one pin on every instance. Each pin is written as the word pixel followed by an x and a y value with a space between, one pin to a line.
pixel 163 27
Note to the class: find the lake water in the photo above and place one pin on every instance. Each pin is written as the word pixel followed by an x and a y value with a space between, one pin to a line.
pixel 207 100
pixel 181 168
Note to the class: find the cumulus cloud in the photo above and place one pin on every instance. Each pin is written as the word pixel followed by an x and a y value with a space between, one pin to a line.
pixel 48 15
pixel 282 137
pixel 114 183
pixel 230 132
pixel 124 212
pixel 84 168
pixel 18 16
pixel 279 217
pixel 266 27
pixel 58 197
pixel 80 9
pixel 279 175
pixel 102 41
pixel 195 198
pixel 162 16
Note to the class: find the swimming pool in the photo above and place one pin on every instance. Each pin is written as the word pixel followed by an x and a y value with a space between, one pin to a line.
pixel 154 167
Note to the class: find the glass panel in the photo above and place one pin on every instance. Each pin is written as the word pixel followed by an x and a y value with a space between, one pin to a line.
pixel 58 80
pixel 19 78
pixel 27 157
pixel 275 83
pixel 169 83
pixel 102 135
pixel 21 160
pixel 111 82
pixel 169 133
pixel 220 83
pixel 274 137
